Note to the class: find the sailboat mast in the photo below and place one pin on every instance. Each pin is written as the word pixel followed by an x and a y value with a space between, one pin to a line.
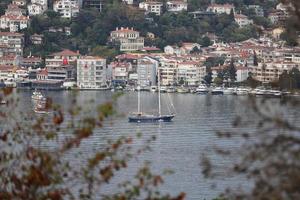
pixel 158 85
pixel 139 98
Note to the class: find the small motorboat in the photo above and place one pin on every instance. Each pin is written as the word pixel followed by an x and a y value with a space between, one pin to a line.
pixel 41 107
pixel 229 91
pixel 171 90
pixel 217 91
pixel 36 96
pixel 182 90
pixel 3 102
pixel 202 89
pixel 242 91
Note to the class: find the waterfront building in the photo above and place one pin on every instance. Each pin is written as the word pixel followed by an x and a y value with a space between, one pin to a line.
pixel 190 72
pixel 168 72
pixel 270 71
pixel 242 73
pixel 221 8
pixel 31 62
pixel 67 8
pixel 146 71
pixel 64 57
pixel 152 7
pixel 91 72
pixel 128 39
pixel 12 73
pixel 11 43
pixel 119 71
pixel 62 65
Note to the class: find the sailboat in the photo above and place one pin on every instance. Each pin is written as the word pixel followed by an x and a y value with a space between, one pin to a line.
pixel 140 117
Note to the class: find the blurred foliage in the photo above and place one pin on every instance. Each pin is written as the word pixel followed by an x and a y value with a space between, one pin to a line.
pixel 29 170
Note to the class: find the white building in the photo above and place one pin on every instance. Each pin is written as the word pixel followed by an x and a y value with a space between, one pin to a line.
pixel 13 42
pixel 168 72
pixel 241 73
pixel 152 7
pixel 129 2
pixel 242 20
pixel 146 70
pixel 177 5
pixel 191 72
pixel 221 8
pixel 91 72
pixel 19 2
pixel 13 19
pixel 118 71
pixel 43 3
pixel 35 9
pixel 67 8
pixel 128 39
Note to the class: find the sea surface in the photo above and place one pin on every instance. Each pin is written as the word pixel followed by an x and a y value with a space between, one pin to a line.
pixel 179 145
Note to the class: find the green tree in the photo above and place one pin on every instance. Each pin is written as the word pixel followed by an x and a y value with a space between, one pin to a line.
pixel 232 71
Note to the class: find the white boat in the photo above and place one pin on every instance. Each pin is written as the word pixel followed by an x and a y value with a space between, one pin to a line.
pixel 202 89
pixel 2 102
pixel 171 90
pixel 163 89
pixel 153 89
pixel 260 92
pixel 182 90
pixel 229 91
pixel 41 107
pixel 36 95
pixel 217 91
pixel 242 91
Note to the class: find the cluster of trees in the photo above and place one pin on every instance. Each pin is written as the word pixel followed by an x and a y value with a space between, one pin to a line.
pixel 90 29
pixel 290 80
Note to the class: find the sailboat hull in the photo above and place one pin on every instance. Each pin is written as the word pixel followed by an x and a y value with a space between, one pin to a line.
pixel 143 119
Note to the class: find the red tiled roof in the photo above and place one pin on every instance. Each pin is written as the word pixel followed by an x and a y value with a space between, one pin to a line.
pixel 10 34
pixel 66 52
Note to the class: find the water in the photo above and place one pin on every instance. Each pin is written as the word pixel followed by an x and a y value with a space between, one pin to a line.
pixel 179 144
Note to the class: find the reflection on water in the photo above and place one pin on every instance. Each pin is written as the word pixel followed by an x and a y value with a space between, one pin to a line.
pixel 179 144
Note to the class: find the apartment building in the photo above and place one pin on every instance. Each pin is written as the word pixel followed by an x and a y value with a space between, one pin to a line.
pixel 62 65
pixel 97 4
pixel 168 72
pixel 12 43
pixel 190 72
pixel 146 70
pixel 270 71
pixel 91 72
pixel 152 7
pixel 67 8
pixel 128 39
